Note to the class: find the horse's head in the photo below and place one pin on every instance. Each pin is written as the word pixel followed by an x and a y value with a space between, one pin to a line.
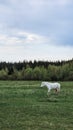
pixel 42 84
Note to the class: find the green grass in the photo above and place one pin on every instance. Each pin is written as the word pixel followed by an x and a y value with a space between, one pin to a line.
pixel 24 105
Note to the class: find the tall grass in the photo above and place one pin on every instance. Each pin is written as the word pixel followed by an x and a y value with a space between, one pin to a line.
pixel 24 105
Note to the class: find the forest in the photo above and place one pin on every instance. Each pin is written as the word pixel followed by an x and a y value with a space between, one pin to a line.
pixel 37 70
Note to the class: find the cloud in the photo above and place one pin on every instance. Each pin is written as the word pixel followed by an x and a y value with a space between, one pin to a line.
pixel 17 45
pixel 36 29
pixel 21 38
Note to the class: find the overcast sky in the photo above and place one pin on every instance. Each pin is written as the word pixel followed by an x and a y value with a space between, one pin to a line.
pixel 36 30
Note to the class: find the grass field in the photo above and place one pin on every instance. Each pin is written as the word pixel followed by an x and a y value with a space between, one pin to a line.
pixel 24 105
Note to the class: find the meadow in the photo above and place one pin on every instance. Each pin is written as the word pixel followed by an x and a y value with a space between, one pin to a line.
pixel 24 105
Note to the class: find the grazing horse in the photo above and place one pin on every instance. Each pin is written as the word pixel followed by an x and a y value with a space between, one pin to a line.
pixel 55 86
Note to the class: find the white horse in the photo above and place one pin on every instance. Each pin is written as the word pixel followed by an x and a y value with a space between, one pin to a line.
pixel 55 86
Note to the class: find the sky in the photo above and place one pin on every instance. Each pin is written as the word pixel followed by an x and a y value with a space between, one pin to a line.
pixel 36 30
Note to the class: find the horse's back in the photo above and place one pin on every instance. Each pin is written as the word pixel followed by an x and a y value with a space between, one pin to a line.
pixel 54 85
pixel 49 84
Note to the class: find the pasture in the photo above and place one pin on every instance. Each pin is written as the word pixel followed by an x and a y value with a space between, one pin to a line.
pixel 24 105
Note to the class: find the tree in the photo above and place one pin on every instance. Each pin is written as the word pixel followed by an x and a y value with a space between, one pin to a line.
pixel 53 72
pixel 4 73
pixel 43 73
pixel 28 74
pixel 16 74
pixel 37 73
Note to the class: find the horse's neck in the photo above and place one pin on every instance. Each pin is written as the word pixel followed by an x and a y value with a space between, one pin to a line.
pixel 46 84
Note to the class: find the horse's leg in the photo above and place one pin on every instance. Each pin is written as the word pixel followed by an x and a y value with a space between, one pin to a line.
pixel 48 93
pixel 56 90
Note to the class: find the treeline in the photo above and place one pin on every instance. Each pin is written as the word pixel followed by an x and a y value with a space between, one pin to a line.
pixel 37 70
